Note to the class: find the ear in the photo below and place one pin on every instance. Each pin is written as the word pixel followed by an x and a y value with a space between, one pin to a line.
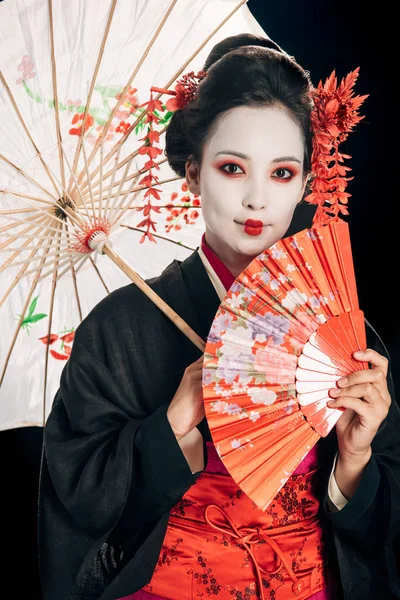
pixel 192 175
pixel 303 189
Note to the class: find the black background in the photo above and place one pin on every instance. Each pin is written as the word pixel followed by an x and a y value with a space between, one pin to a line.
pixel 322 35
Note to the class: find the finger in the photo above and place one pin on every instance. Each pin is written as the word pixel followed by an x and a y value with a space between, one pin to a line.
pixel 362 409
pixel 373 357
pixel 374 376
pixel 367 391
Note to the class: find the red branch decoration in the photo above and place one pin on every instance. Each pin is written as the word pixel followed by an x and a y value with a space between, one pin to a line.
pixel 150 179
pixel 334 116
pixel 184 92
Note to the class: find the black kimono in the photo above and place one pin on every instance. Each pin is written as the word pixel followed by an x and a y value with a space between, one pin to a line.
pixel 112 468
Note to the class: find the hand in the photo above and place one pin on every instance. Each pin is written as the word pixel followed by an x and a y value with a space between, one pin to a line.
pixel 187 408
pixel 366 397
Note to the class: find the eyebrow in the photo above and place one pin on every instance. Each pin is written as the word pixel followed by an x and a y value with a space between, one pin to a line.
pixel 275 160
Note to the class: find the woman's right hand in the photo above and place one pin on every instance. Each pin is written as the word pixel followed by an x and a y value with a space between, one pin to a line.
pixel 187 409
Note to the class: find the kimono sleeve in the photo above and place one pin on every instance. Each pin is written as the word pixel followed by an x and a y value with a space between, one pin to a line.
pixel 102 452
pixel 371 518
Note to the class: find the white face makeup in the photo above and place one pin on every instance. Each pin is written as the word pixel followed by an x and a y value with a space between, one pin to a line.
pixel 250 181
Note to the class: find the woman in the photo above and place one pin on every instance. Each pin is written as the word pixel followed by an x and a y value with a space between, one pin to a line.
pixel 127 440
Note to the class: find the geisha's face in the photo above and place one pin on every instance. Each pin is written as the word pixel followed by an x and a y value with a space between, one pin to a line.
pixel 250 181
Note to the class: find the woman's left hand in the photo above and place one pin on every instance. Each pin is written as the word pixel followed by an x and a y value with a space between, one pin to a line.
pixel 366 396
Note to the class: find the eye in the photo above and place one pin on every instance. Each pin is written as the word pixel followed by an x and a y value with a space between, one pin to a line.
pixel 231 171
pixel 282 173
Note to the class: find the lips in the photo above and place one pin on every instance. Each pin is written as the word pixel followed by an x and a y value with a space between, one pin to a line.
pixel 252 227
pixel 256 224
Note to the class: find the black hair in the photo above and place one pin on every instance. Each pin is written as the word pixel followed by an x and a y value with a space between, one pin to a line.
pixel 242 70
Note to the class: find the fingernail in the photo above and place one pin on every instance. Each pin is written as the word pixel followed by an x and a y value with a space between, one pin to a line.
pixel 334 392
pixel 330 402
pixel 342 381
pixel 358 354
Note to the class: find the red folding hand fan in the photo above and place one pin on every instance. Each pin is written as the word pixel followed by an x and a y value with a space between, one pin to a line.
pixel 282 337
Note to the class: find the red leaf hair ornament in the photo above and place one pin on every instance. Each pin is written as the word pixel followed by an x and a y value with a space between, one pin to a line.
pixel 334 116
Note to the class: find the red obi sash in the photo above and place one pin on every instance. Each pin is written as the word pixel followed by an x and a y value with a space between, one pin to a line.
pixel 218 542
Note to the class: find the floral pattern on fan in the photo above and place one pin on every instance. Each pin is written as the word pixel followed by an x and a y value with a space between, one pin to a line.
pixel 283 335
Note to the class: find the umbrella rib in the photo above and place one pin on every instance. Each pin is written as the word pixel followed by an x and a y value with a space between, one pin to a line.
pixel 83 260
pixel 24 231
pixel 89 98
pixel 107 207
pixel 12 225
pixel 115 200
pixel 14 283
pixel 9 260
pixel 122 208
pixel 121 164
pixel 47 347
pixel 74 216
pixel 100 208
pixel 18 328
pixel 26 236
pixel 140 188
pixel 77 187
pixel 28 177
pixel 161 237
pixel 39 210
pixel 74 280
pixel 200 48
pixel 21 195
pixel 16 211
pixel 123 94
pixel 88 178
pixel 167 85
pixel 20 249
pixel 55 93
pixel 15 106
pixel 132 176
pixel 99 274
pixel 48 264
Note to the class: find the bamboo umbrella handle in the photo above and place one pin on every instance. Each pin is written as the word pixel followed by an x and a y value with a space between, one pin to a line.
pixel 163 306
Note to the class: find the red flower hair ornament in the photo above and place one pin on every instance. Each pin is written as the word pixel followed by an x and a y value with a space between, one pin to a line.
pixel 184 92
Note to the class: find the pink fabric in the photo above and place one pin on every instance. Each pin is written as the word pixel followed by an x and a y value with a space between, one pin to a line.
pixel 141 595
pixel 215 464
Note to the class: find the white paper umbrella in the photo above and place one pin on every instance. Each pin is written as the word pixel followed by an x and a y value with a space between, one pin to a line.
pixel 74 80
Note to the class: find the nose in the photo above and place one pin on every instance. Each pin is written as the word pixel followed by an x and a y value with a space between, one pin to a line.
pixel 256 199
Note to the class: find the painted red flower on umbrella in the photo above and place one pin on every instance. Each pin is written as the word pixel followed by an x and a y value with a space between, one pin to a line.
pixel 66 340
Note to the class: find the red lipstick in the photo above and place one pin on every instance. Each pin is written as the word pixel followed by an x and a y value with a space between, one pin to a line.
pixel 253 227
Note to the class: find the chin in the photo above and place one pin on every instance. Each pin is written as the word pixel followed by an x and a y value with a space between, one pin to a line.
pixel 252 247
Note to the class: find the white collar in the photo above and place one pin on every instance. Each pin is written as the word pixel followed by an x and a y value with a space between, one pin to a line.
pixel 215 280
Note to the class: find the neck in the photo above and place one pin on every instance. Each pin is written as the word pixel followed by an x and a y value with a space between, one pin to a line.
pixel 236 263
